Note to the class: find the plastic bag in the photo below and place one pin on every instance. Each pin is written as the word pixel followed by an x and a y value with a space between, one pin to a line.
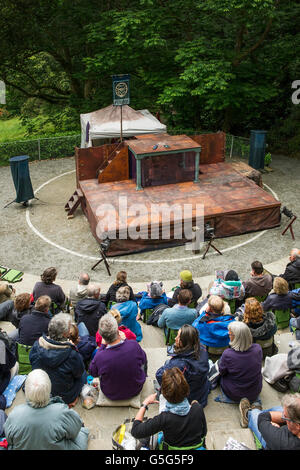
pixel 88 395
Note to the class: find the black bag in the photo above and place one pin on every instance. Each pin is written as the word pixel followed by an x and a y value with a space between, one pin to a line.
pixel 157 311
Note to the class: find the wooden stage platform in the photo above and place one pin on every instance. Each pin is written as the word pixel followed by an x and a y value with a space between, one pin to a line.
pixel 233 204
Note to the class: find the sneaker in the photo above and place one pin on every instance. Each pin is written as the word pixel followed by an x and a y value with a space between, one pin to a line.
pixel 244 407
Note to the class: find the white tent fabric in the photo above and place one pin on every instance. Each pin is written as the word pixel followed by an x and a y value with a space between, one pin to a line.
pixel 106 123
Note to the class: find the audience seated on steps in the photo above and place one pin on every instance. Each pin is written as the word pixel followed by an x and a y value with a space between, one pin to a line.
pixel 186 282
pixel 120 364
pixel 121 281
pixel 183 424
pixel 129 311
pixel 34 324
pixel 44 423
pixel 212 323
pixel 7 292
pixel 240 366
pixel 79 292
pixel 192 359
pixel 47 287
pixel 154 296
pixel 124 332
pixel 281 298
pixel 292 270
pixel 91 309
pixel 277 428
pixel 260 282
pixel 262 325
pixel 58 356
pixel 180 314
pixel 8 364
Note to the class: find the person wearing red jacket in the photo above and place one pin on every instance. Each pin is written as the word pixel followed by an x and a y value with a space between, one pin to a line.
pixel 128 334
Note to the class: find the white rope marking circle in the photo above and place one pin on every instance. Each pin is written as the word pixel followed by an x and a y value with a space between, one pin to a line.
pixel 122 260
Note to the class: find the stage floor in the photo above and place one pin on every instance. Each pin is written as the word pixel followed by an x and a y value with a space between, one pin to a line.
pixel 232 203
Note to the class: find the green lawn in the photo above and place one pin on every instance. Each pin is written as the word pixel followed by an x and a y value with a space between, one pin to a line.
pixel 11 130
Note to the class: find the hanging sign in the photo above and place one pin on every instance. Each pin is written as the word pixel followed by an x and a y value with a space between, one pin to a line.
pixel 121 90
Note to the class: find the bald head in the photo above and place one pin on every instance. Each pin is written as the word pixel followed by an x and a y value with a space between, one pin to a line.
pixel 294 254
pixel 93 291
pixel 84 279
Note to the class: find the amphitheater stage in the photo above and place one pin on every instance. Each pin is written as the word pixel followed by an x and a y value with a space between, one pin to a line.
pixel 233 205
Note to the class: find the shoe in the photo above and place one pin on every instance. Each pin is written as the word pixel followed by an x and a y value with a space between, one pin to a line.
pixel 244 407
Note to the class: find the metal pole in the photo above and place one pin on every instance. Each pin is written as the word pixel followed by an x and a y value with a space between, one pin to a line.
pixel 39 149
pixel 232 137
pixel 121 124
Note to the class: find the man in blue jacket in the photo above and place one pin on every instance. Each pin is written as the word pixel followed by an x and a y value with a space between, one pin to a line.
pixel 212 325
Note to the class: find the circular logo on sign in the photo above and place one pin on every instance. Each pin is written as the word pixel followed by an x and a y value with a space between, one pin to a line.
pixel 121 89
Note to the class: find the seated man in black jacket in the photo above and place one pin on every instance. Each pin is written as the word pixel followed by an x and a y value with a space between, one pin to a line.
pixel 90 310
pixel 186 282
pixel 292 270
pixel 277 428
pixel 35 324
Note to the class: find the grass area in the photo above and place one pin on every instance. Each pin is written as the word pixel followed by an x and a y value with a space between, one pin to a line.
pixel 11 129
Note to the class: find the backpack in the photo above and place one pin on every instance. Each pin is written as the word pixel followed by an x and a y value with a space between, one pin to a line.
pixel 157 311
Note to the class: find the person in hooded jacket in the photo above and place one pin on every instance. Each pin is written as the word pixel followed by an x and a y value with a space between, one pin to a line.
pixel 154 296
pixel 281 298
pixel 90 310
pixel 212 323
pixel 186 282
pixel 192 359
pixel 260 283
pixel 292 269
pixel 262 324
pixel 58 356
pixel 129 311
pixel 228 287
pixel 121 281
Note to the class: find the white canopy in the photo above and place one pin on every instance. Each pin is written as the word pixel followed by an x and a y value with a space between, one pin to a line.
pixel 106 123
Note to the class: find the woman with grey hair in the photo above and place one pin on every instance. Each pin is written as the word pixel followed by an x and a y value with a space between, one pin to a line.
pixel 44 423
pixel 240 367
pixel 129 311
pixel 120 364
pixel 58 356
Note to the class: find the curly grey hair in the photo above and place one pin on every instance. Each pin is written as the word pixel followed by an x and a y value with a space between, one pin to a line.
pixel 59 327
pixel 108 328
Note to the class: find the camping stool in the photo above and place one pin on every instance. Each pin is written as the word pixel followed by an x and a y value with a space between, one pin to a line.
pixel 170 337
pixel 282 318
pixel 23 359
pixel 146 314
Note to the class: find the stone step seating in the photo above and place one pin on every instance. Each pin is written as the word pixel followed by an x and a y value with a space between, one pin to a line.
pixel 222 419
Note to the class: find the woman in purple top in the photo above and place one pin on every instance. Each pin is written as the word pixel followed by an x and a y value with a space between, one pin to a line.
pixel 120 364
pixel 240 366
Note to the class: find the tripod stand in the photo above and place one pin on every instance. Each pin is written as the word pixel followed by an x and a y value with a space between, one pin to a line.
pixel 103 258
pixel 210 244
